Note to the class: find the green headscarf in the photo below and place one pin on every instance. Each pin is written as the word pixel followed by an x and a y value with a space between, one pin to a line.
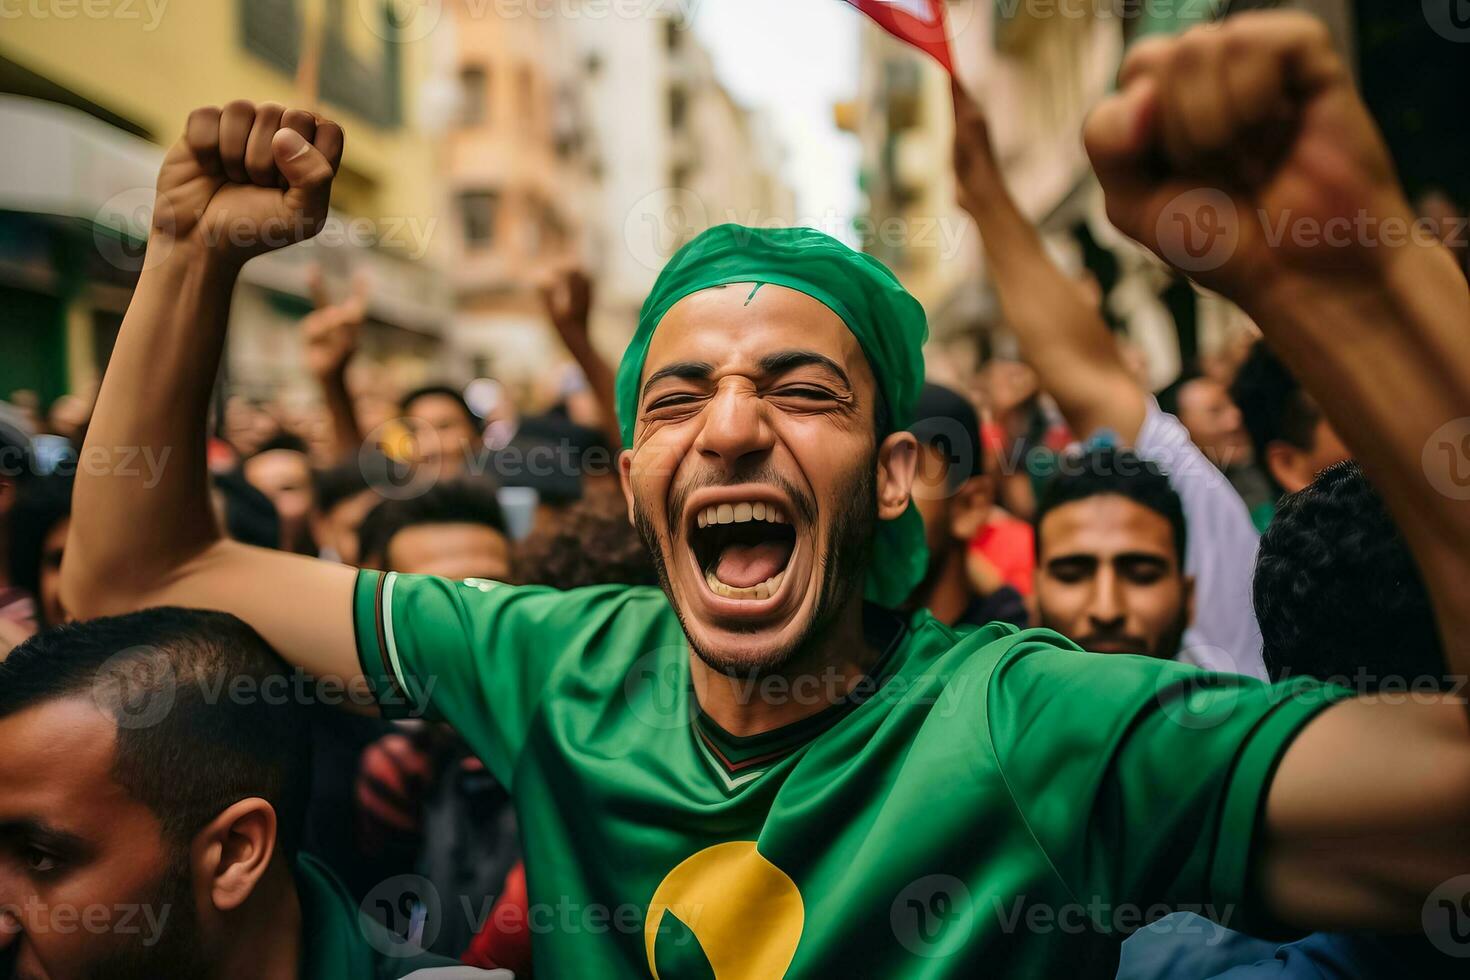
pixel 888 323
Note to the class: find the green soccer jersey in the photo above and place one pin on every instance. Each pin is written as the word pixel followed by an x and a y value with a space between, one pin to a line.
pixel 992 803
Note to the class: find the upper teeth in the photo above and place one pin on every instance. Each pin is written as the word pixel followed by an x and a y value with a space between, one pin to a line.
pixel 740 513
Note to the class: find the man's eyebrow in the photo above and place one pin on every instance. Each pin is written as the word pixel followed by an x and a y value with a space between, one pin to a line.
pixel 687 370
pixel 788 360
pixel 47 835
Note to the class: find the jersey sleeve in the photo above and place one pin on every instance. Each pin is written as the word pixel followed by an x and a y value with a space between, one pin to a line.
pixel 476 654
pixel 1143 781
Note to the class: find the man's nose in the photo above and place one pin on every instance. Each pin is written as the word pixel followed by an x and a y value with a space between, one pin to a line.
pixel 735 425
pixel 1107 608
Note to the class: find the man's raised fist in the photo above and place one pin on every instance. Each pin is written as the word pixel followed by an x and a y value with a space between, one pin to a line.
pixel 1241 154
pixel 247 179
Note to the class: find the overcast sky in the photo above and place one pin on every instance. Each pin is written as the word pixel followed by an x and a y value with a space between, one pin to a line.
pixel 793 60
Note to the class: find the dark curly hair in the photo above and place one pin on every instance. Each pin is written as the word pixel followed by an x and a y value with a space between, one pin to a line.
pixel 1337 593
pixel 590 543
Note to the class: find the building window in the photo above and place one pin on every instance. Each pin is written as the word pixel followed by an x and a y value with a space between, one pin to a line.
pixel 479 212
pixel 474 87
pixel 271 29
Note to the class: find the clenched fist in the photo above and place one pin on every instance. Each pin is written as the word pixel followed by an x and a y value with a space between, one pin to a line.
pixel 1241 154
pixel 247 179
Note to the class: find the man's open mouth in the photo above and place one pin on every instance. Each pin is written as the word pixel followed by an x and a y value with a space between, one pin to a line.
pixel 743 548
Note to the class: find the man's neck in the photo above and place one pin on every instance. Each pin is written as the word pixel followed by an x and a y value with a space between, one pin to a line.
pixel 819 677
pixel 264 940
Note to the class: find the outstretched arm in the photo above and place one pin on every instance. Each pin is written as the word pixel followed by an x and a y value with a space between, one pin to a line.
pixel 1252 131
pixel 1060 330
pixel 239 182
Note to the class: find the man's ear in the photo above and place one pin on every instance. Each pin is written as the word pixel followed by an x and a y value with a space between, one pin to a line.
pixel 898 459
pixel 972 504
pixel 625 480
pixel 233 851
pixel 1288 466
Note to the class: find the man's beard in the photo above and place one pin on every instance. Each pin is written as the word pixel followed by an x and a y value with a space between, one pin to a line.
pixel 1166 647
pixel 177 950
pixel 844 564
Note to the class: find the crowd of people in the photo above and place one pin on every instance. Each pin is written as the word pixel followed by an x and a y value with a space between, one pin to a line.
pixel 759 654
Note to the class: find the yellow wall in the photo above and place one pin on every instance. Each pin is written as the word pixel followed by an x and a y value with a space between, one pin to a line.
pixel 152 61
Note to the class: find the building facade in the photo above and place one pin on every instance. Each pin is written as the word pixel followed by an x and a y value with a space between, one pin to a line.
pixel 89 100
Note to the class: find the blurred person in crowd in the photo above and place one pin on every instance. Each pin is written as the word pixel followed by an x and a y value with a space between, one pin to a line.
pixel 28 405
pixel 955 498
pixel 1110 546
pixel 281 469
pixel 745 394
pixel 418 790
pixel 1065 340
pixel 592 544
pixel 343 499
pixel 42 517
pixel 242 512
pixel 248 425
pixel 454 529
pixel 1292 439
pixel 445 430
pixel 1332 545
pixel 188 827
pixel 17 468
pixel 1020 431
pixel 68 417
pixel 1217 427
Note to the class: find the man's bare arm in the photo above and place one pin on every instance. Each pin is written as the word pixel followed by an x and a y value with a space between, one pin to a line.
pixel 1062 335
pixel 133 543
pixel 1368 811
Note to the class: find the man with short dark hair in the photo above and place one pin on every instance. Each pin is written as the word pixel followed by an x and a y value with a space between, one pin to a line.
pixel 157 762
pixel 454 529
pixel 1292 438
pixel 1110 545
pixel 446 431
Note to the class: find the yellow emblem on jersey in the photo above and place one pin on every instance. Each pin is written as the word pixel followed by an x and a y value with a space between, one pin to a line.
pixel 745 913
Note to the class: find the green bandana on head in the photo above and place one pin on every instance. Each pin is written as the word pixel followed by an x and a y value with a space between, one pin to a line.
pixel 888 323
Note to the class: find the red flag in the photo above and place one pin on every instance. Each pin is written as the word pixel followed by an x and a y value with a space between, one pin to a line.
pixel 919 22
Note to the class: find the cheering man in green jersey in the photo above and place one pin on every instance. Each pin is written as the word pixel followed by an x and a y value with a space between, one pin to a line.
pixel 753 772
